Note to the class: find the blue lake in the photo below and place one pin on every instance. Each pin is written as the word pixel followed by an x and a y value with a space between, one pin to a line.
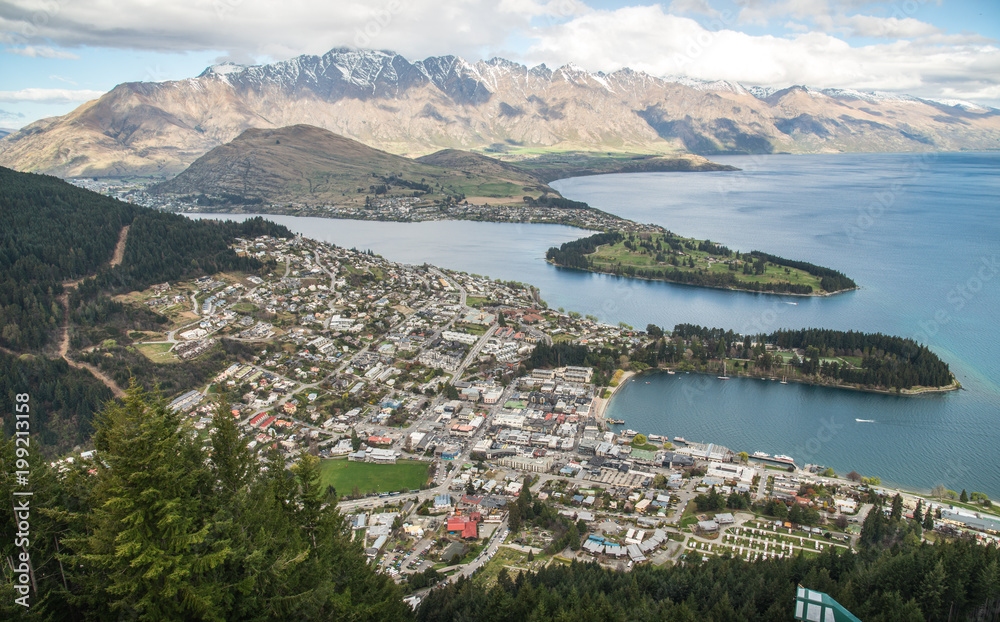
pixel 919 233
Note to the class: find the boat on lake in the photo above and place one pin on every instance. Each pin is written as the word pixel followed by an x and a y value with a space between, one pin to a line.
pixel 723 376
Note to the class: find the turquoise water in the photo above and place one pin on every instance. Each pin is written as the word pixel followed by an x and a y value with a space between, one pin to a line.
pixel 919 233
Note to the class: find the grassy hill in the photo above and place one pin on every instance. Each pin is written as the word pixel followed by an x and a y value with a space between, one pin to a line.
pixel 307 165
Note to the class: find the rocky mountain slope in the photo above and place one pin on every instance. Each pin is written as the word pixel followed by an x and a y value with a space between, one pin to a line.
pixel 385 101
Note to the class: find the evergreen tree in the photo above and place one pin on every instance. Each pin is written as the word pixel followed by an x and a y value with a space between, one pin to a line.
pixel 146 546
pixel 873 529
pixel 897 508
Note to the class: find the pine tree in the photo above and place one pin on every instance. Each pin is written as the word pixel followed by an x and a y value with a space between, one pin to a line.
pixel 928 520
pixel 873 529
pixel 897 508
pixel 145 552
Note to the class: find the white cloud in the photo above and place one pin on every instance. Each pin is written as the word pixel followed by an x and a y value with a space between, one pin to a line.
pixel 971 92
pixel 552 8
pixel 760 12
pixel 696 7
pixel 886 27
pixel 917 57
pixel 49 96
pixel 62 79
pixel 650 40
pixel 264 28
pixel 40 51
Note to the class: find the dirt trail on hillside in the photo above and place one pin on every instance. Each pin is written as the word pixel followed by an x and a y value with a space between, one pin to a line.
pixel 116 259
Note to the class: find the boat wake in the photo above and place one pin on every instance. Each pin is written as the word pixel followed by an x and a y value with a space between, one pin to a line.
pixel 865 420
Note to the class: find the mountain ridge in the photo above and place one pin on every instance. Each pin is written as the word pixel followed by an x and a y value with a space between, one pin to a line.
pixel 414 108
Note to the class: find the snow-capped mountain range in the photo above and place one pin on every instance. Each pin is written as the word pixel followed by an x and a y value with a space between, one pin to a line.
pixel 386 101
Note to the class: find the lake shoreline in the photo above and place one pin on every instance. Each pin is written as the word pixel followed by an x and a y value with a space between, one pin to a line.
pixel 954 386
pixel 601 404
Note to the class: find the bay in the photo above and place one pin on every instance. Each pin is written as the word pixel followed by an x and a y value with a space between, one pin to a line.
pixel 918 232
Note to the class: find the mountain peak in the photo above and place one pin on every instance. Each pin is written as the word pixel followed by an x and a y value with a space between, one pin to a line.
pixel 415 107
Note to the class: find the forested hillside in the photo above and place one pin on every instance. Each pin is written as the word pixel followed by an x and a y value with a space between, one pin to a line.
pixel 52 233
pixel 905 581
pixel 155 530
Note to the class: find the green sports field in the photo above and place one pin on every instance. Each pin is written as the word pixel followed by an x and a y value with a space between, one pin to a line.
pixel 344 475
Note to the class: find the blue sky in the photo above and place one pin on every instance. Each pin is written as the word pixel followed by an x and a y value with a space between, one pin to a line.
pixel 56 54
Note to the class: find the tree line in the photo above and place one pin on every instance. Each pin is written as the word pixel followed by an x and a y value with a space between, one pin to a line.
pixel 830 280
pixel 886 361
pixel 573 254
pixel 905 581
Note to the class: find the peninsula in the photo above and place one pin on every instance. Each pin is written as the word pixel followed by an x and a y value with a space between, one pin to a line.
pixel 660 255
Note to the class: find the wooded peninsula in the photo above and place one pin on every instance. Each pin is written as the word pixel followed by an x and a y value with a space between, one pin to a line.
pixel 664 256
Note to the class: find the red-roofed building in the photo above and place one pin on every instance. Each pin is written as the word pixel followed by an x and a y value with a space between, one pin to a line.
pixel 471 530
pixel 256 420
pixel 466 527
pixel 379 440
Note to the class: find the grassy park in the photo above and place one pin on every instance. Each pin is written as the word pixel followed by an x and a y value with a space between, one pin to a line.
pixel 345 475
pixel 157 352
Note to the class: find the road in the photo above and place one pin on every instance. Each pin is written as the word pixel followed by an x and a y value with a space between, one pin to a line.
pixel 499 535
pixel 762 486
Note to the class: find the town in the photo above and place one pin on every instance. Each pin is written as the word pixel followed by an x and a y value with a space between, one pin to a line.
pixel 381 208
pixel 452 452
